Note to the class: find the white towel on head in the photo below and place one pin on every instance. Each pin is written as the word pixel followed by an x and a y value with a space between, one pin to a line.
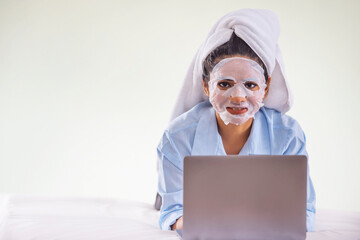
pixel 260 29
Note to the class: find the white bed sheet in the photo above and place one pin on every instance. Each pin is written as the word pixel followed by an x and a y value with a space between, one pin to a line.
pixel 47 218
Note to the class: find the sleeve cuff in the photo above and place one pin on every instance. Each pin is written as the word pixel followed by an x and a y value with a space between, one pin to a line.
pixel 169 219
pixel 310 221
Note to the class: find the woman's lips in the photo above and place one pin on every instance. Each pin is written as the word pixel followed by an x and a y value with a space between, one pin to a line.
pixel 236 110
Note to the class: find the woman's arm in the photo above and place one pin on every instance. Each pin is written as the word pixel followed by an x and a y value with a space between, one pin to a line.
pixel 170 185
pixel 297 146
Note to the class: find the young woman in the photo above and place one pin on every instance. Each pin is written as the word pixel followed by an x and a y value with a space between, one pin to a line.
pixel 232 102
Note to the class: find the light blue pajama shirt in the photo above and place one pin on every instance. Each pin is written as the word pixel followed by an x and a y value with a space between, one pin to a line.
pixel 195 133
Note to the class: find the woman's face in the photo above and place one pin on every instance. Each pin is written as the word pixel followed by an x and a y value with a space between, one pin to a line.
pixel 236 89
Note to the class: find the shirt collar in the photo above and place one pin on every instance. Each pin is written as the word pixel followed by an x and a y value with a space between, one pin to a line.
pixel 258 142
pixel 208 141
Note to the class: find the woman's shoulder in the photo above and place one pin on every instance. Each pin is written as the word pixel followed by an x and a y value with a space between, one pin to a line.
pixel 285 133
pixel 188 119
pixel 180 133
pixel 282 124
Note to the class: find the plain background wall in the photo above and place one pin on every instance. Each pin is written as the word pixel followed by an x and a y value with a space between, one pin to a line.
pixel 87 88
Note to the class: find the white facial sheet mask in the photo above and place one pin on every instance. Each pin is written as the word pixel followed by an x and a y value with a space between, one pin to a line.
pixel 241 71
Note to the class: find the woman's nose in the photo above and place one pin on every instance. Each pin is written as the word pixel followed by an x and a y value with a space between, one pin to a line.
pixel 237 99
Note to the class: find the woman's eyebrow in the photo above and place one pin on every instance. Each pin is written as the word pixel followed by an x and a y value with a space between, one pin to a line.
pixel 250 79
pixel 225 78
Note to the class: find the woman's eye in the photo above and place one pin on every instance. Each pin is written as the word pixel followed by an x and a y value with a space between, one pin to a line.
pixel 224 84
pixel 251 85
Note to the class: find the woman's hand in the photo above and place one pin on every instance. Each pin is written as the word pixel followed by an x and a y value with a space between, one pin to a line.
pixel 178 224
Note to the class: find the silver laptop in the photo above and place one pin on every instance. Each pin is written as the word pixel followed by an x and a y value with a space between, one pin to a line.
pixel 245 197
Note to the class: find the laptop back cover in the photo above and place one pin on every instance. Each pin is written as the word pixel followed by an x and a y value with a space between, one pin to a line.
pixel 245 197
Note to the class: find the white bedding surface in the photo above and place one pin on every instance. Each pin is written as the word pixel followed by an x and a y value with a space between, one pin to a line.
pixel 46 218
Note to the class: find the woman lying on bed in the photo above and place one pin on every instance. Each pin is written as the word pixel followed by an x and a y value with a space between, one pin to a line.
pixel 232 102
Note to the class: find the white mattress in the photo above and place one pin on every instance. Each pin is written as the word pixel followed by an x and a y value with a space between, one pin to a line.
pixel 44 218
